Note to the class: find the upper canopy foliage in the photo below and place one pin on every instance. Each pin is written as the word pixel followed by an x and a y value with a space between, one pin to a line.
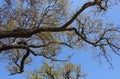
pixel 43 27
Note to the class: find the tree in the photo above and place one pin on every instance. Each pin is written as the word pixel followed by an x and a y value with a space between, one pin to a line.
pixel 55 71
pixel 43 27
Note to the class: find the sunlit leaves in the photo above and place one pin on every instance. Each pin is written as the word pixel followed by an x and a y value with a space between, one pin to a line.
pixel 55 71
pixel 43 27
pixel 29 13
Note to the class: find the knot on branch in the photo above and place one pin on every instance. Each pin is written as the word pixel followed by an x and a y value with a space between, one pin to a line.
pixel 102 4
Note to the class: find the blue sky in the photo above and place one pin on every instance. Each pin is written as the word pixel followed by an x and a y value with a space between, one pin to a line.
pixel 84 57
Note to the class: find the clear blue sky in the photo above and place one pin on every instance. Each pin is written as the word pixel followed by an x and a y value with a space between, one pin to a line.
pixel 84 57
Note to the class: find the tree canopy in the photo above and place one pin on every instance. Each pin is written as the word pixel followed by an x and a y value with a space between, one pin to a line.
pixel 43 27
pixel 56 71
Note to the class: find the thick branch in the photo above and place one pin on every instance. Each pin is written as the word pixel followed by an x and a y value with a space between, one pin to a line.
pixel 26 33
pixel 23 33
pixel 78 13
pixel 8 47
pixel 23 61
